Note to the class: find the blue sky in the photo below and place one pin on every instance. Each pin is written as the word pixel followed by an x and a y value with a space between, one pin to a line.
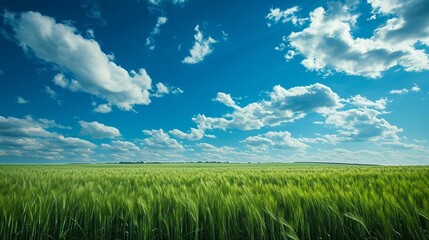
pixel 187 80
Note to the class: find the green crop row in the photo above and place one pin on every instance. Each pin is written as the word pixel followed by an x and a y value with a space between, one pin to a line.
pixel 215 201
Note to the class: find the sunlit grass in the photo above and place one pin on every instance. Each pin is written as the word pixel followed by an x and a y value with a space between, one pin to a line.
pixel 214 201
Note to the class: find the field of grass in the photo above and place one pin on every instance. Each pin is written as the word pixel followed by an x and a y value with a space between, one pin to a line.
pixel 213 201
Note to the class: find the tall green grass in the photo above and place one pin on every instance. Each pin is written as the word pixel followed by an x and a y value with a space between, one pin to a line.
pixel 213 202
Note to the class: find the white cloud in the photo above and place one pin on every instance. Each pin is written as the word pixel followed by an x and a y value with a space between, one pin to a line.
pixel 122 146
pixel 17 127
pixel 103 108
pixel 415 88
pixel 202 47
pixel 161 21
pixel 354 119
pixel 362 124
pixel 28 138
pixel 327 42
pixel 83 58
pixel 122 151
pixel 46 123
pixel 224 36
pixel 61 81
pixel 193 135
pixel 396 145
pixel 271 139
pixel 215 153
pixel 360 101
pixel 53 95
pixel 288 15
pixel 280 47
pixel 403 91
pixel 175 2
pixel 98 130
pixel 399 91
pixel 284 105
pixel 176 90
pixel 21 100
pixel 150 41
pixel 290 54
pixel 226 99
pixel 162 89
pixel 158 139
pixel 90 33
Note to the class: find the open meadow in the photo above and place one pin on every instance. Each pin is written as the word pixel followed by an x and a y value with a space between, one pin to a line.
pixel 213 201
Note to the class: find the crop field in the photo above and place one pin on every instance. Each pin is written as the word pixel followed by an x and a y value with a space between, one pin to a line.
pixel 213 201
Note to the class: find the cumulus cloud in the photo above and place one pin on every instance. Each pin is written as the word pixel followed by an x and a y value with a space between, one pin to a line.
pixel 415 88
pixel 150 41
pixel 271 139
pixel 361 101
pixel 158 139
pixel 21 100
pixel 162 89
pixel 202 47
pixel 327 43
pixel 61 81
pixel 18 127
pixel 289 15
pixel 284 105
pixel 226 99
pixel 362 124
pixel 98 130
pixel 82 58
pixel 193 135
pixel 353 119
pixel 103 108
pixel 28 138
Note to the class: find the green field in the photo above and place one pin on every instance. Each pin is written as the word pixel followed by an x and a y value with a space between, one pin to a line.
pixel 213 201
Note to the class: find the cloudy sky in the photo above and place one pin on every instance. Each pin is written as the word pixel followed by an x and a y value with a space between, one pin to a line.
pixel 189 80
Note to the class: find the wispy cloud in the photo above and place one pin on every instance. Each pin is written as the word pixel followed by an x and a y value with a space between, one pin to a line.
pixel 202 47
pixel 53 95
pixel 159 2
pixel 21 100
pixel 415 88
pixel 289 15
pixel 150 41
pixel 93 10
